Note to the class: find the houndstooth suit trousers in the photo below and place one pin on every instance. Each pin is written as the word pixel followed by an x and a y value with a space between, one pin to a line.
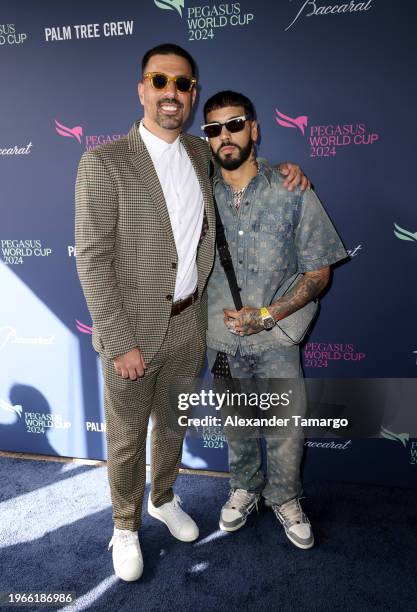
pixel 128 406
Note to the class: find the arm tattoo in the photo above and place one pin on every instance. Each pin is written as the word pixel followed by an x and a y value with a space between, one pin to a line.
pixel 307 288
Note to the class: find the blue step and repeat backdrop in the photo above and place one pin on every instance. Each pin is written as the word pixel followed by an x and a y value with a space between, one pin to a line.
pixel 335 89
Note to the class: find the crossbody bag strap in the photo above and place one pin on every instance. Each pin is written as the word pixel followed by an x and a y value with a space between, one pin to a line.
pixel 224 255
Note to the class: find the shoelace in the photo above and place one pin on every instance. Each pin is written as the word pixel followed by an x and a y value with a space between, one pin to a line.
pixel 175 504
pixel 292 512
pixel 238 498
pixel 124 537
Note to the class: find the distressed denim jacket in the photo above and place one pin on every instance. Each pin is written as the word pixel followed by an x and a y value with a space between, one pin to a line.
pixel 275 234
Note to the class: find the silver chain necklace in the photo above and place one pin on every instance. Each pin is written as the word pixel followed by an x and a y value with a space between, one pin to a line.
pixel 237 194
pixel 237 197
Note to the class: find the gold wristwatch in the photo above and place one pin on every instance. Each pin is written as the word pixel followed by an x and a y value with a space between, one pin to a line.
pixel 267 319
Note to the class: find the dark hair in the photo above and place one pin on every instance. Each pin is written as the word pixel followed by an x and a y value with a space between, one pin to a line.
pixel 169 49
pixel 229 98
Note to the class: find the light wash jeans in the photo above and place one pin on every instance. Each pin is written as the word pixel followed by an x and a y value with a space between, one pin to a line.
pixel 284 449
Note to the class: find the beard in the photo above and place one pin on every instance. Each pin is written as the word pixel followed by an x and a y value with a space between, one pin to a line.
pixel 232 163
pixel 169 122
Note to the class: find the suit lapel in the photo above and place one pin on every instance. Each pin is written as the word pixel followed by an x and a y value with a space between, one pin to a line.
pixel 143 162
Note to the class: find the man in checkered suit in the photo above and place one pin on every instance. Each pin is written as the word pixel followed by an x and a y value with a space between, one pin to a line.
pixel 145 238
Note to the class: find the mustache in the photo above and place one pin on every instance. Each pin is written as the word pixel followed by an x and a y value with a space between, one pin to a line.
pixel 227 143
pixel 170 101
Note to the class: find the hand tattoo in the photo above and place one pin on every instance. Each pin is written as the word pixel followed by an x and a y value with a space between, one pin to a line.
pixel 249 322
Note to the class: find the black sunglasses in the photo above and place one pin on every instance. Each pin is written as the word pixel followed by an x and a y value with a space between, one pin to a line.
pixel 160 80
pixel 234 125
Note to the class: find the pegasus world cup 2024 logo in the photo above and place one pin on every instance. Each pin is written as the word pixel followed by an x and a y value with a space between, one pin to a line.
pixel 325 140
pixel 203 22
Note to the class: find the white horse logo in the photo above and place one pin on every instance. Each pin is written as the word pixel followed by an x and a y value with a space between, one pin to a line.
pixel 172 5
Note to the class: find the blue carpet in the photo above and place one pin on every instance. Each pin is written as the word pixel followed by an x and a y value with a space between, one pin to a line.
pixel 55 525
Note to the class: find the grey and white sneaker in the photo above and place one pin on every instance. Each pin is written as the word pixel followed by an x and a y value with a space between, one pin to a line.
pixel 296 524
pixel 236 510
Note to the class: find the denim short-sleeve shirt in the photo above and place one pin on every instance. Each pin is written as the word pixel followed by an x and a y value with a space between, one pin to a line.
pixel 275 234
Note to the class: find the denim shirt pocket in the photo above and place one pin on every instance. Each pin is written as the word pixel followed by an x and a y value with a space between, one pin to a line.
pixel 267 244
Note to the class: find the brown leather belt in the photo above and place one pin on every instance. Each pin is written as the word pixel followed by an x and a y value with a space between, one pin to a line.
pixel 181 305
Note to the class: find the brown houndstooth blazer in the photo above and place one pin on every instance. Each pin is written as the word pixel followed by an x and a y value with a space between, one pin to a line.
pixel 126 255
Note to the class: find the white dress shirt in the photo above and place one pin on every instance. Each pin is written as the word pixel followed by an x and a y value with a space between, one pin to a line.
pixel 184 201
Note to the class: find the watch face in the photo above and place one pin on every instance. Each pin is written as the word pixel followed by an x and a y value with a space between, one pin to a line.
pixel 269 323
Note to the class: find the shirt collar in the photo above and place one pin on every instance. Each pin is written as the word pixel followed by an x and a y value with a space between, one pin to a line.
pixel 156 146
pixel 265 170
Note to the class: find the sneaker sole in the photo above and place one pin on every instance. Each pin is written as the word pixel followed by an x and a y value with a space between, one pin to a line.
pixel 235 528
pixel 298 544
pixel 159 518
pixel 130 579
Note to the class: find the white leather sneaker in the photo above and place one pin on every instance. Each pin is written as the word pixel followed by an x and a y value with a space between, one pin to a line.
pixel 127 556
pixel 178 522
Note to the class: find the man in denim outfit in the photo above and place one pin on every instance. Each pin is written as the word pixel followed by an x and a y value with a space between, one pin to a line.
pixel 273 234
